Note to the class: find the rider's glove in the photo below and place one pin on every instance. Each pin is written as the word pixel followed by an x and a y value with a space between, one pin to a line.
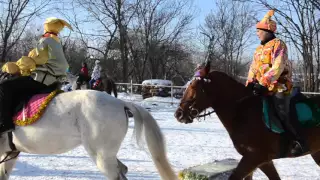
pixel 259 90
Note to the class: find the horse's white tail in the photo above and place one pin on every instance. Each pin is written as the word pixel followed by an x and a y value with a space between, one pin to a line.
pixel 154 138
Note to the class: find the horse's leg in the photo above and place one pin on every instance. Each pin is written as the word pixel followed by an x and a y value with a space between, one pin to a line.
pixel 123 168
pixel 103 148
pixel 78 86
pixel 108 90
pixel 107 163
pixel 107 87
pixel 249 177
pixel 246 166
pixel 316 157
pixel 114 88
pixel 7 167
pixel 270 170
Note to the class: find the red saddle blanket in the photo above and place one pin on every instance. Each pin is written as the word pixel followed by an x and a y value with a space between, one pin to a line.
pixel 33 110
pixel 97 83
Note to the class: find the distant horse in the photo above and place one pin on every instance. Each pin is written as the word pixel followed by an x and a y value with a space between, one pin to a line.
pixel 241 113
pixel 106 84
pixel 93 119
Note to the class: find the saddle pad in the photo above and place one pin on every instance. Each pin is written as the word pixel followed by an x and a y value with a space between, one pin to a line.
pixel 308 115
pixel 33 110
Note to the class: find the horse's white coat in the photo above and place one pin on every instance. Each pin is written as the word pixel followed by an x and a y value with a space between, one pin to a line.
pixel 94 119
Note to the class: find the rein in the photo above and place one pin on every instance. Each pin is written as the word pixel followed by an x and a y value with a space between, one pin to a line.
pixel 198 116
pixel 13 150
pixel 204 115
pixel 239 101
pixel 244 99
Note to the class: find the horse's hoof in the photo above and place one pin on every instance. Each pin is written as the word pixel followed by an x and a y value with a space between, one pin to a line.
pixel 122 176
pixel 124 169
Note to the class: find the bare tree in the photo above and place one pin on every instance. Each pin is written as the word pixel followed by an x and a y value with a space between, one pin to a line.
pixel 26 42
pixel 110 18
pixel 14 19
pixel 157 25
pixel 316 3
pixel 227 33
pixel 76 52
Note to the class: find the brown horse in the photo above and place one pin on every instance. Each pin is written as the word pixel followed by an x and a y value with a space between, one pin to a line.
pixel 106 84
pixel 241 114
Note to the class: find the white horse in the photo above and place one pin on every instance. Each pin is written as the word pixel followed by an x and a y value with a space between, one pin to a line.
pixel 95 120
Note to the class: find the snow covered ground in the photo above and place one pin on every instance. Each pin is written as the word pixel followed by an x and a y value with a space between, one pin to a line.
pixel 187 145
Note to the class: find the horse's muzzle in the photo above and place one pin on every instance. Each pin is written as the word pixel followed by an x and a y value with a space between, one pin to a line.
pixel 180 115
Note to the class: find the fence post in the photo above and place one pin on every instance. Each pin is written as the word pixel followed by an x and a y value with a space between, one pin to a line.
pixel 171 94
pixel 131 86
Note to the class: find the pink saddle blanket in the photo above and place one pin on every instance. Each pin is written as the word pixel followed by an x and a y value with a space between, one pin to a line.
pixel 33 110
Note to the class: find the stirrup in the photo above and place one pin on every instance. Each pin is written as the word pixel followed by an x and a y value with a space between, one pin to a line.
pixel 298 149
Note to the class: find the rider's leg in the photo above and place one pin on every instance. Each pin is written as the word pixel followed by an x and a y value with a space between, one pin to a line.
pixel 91 83
pixel 12 92
pixel 6 109
pixel 281 102
pixel 79 82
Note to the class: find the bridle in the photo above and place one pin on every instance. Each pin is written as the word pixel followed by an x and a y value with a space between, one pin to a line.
pixel 192 101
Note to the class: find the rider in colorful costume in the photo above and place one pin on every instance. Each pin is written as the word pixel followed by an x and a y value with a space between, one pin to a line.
pixel 96 73
pixel 271 74
pixel 40 71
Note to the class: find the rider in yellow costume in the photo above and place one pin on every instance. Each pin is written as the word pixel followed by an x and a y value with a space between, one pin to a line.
pixel 46 63
pixel 40 71
pixel 271 74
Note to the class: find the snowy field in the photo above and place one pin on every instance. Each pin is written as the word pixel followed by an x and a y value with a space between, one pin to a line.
pixel 187 145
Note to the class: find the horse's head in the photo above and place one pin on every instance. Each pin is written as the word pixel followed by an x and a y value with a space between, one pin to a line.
pixel 196 98
pixel 215 89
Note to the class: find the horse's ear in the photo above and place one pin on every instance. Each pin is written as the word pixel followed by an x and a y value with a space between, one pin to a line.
pixel 207 67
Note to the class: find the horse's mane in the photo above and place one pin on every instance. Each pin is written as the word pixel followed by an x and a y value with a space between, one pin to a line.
pixel 224 76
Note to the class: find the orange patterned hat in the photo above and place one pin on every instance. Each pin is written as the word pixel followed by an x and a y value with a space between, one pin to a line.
pixel 266 23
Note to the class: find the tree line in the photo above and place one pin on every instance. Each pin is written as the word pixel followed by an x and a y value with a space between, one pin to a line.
pixel 147 39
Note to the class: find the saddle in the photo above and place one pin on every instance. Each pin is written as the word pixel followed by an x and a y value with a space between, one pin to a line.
pixel 31 108
pixel 302 109
pixel 97 83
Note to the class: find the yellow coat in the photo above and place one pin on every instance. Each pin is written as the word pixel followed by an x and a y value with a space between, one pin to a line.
pixel 40 55
pixel 271 67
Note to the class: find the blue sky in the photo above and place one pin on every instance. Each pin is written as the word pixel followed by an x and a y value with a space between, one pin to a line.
pixel 204 7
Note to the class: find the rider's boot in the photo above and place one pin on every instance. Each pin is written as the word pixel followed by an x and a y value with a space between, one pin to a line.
pixel 300 147
pixel 6 122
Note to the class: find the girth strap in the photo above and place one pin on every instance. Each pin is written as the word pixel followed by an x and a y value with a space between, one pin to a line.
pixel 11 144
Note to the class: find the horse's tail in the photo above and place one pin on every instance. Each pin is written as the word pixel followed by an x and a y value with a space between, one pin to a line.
pixel 154 138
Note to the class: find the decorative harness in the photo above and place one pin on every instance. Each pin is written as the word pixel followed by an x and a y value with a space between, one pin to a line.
pixel 192 102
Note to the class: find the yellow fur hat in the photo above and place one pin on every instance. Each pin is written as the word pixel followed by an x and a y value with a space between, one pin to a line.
pixel 55 25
